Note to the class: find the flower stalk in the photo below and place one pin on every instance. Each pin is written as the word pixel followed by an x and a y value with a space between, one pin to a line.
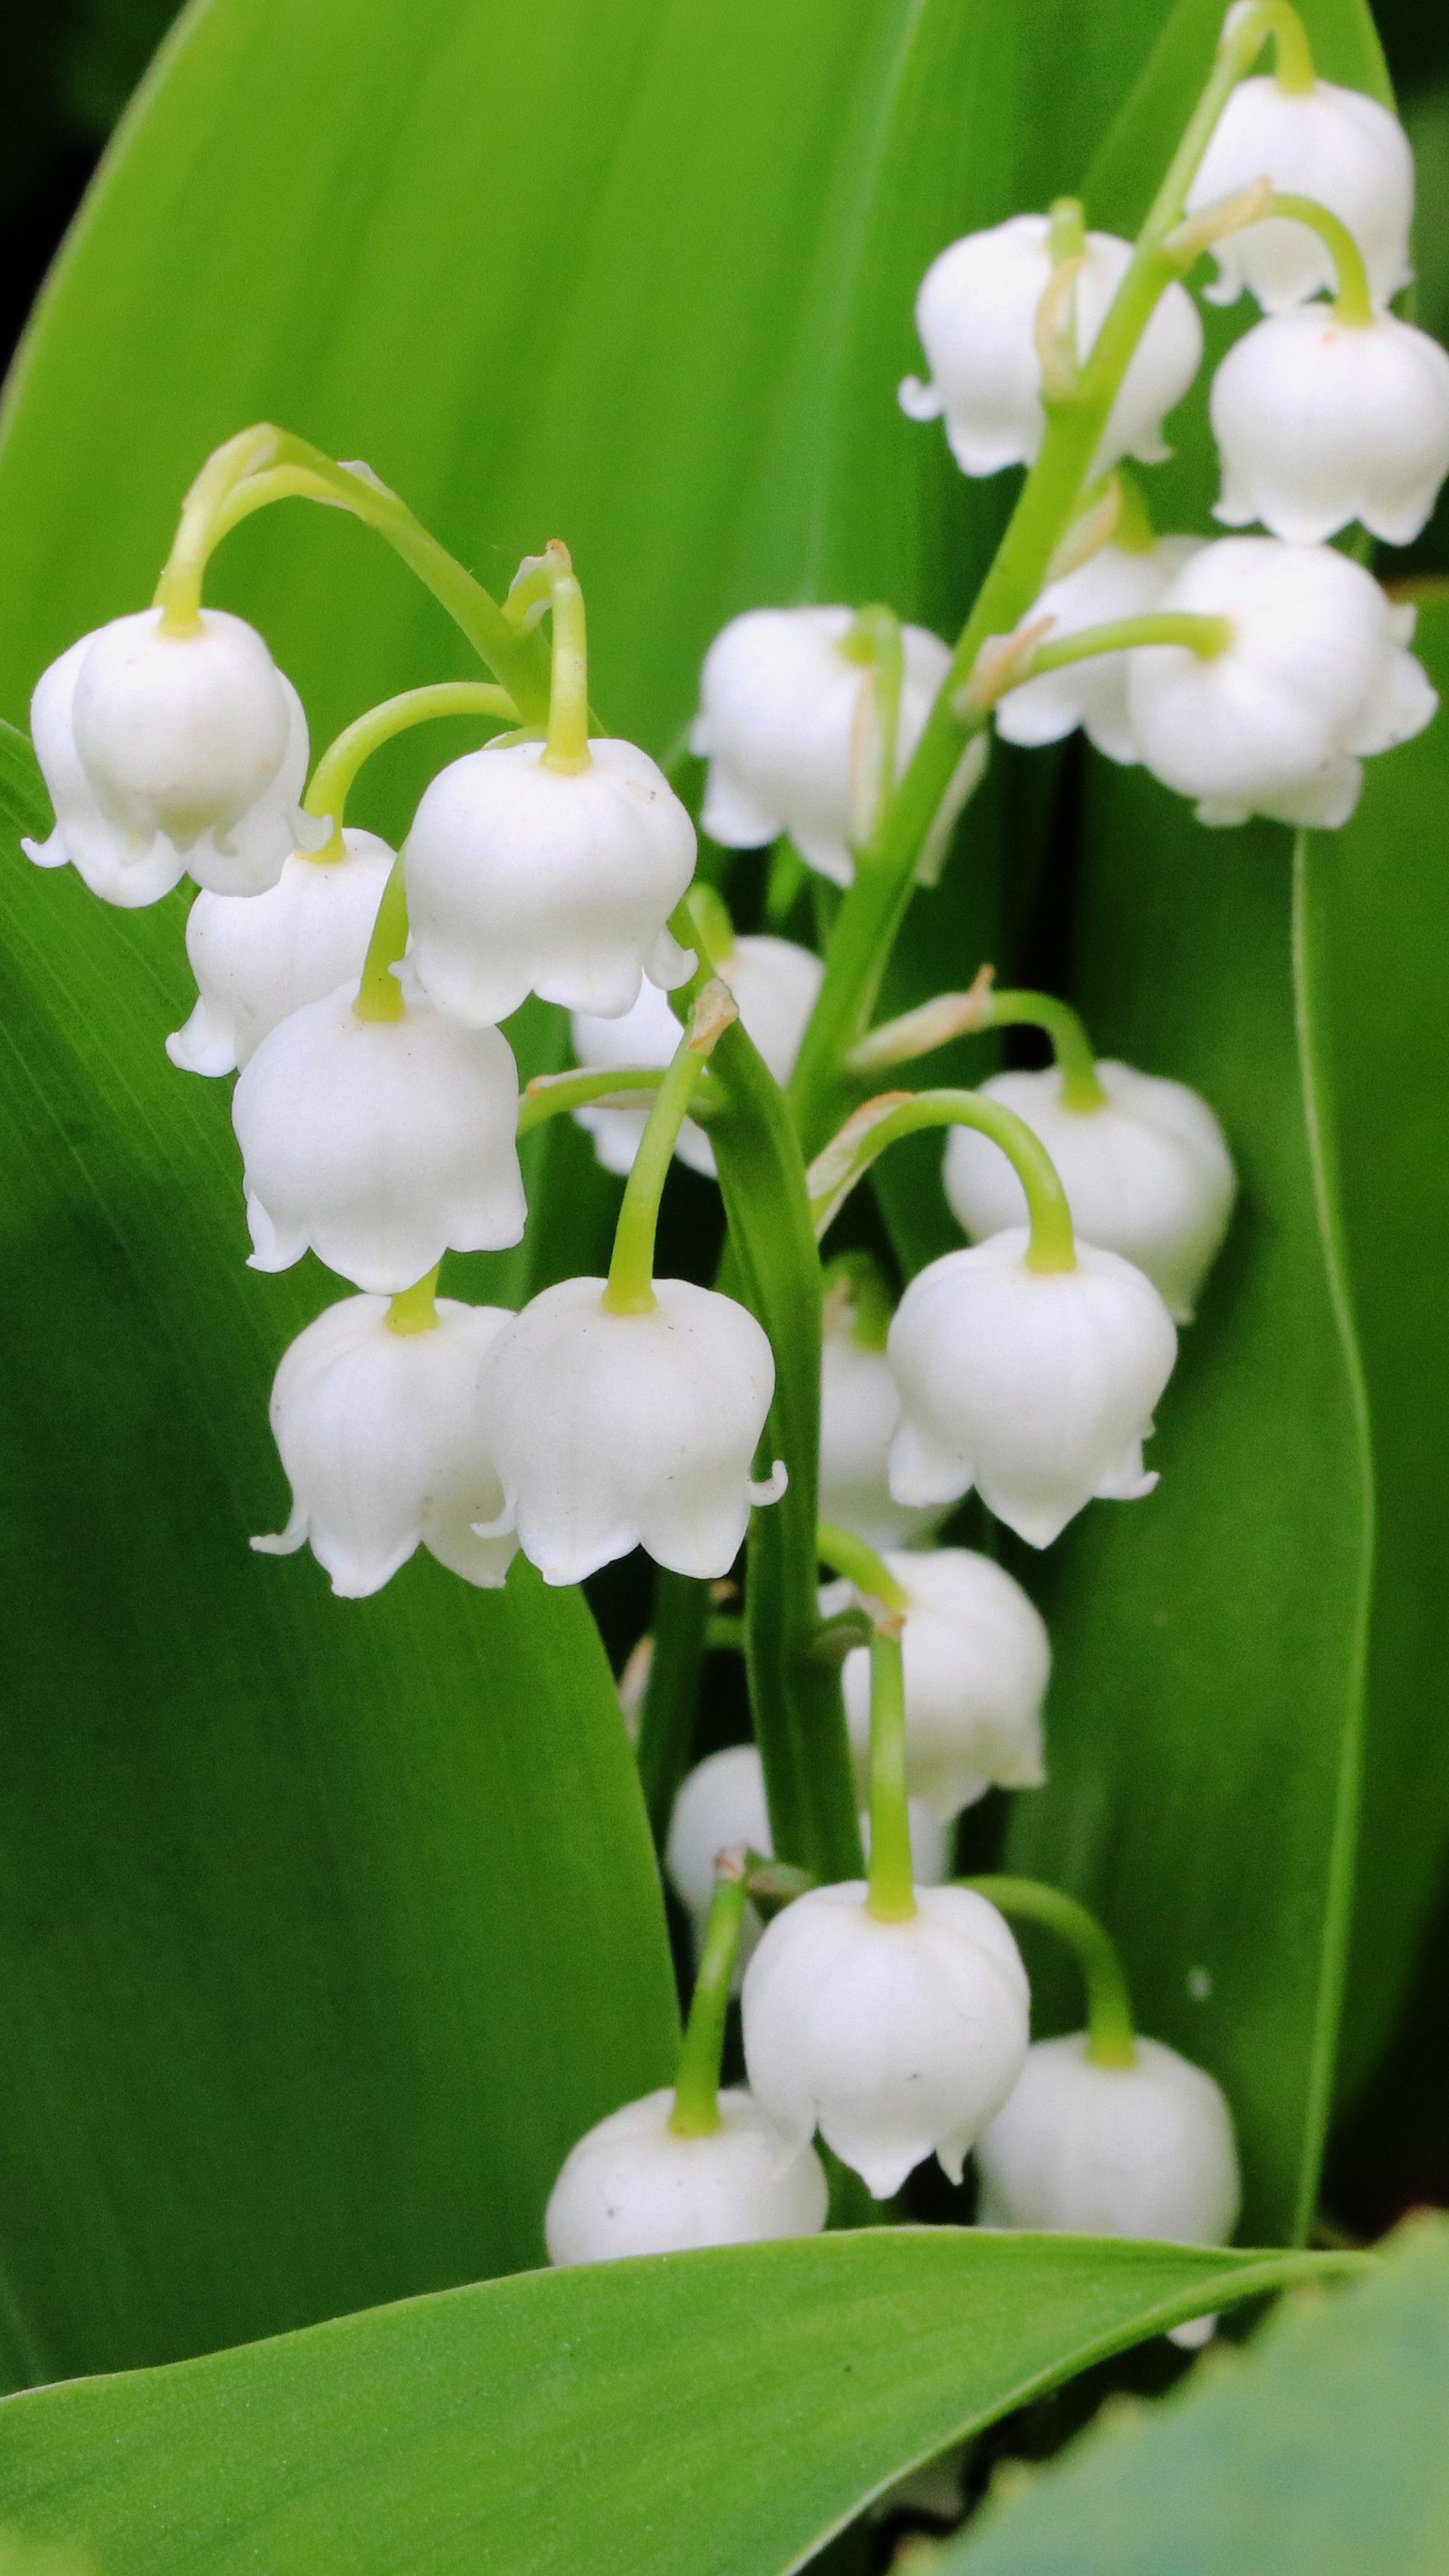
pixel 696 2085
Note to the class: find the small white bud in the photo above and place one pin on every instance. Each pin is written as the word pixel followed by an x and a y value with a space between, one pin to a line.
pixel 619 1431
pixel 257 958
pixel 1321 422
pixel 860 1414
pixel 1036 1387
pixel 1113 583
pixel 1148 1174
pixel 164 753
pixel 786 722
pixel 1141 2150
pixel 895 2040
pixel 631 2186
pixel 977 1662
pixel 384 1445
pixel 378 1144
pixel 524 879
pixel 1315 678
pixel 775 984
pixel 976 316
pixel 1334 145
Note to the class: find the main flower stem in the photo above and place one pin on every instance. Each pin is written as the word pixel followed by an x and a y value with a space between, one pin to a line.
pixel 332 779
pixel 1110 2036
pixel 834 1174
pixel 891 1894
pixel 696 2085
pixel 630 1289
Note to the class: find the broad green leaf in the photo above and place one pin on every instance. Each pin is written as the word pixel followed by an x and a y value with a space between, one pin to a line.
pixel 1320 2452
pixel 24 805
pixel 712 2414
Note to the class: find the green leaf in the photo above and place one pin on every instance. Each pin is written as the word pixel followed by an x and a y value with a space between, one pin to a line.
pixel 24 805
pixel 618 2417
pixel 1320 2452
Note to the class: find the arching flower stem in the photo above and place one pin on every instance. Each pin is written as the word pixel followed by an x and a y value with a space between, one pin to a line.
pixel 1353 303
pixel 696 2085
pixel 332 779
pixel 379 994
pixel 1110 2035
pixel 178 592
pixel 550 1095
pixel 882 1122
pixel 956 1015
pixel 630 1289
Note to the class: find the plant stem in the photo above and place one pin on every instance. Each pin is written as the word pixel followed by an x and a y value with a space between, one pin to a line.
pixel 549 1095
pixel 567 744
pixel 1205 636
pixel 333 777
pixel 696 2086
pixel 414 1310
pixel 862 1566
pixel 1081 1084
pixel 630 1288
pixel 1353 303
pixel 178 592
pixel 666 1719
pixel 1110 2040
pixel 892 1895
pixel 834 1173
pixel 379 994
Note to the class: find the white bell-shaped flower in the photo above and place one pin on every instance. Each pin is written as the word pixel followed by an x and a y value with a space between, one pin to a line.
pixel 525 879
pixel 977 1662
pixel 1140 2150
pixel 1320 422
pixel 1113 583
pixel 1334 145
pixel 976 318
pixel 378 1144
pixel 775 983
pixel 257 958
pixel 1315 678
pixel 787 725
pixel 618 1431
pixel 895 2040
pixel 1147 1174
pixel 167 753
pixel 631 2186
pixel 1037 1387
pixel 860 1414
pixel 385 1446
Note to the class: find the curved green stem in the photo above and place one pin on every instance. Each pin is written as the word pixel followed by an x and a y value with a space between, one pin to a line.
pixel 862 1566
pixel 567 745
pixel 415 1310
pixel 1354 301
pixel 178 592
pixel 630 1289
pixel 1081 1084
pixel 891 1882
pixel 956 1015
pixel 696 2086
pixel 1110 2036
pixel 1205 636
pixel 833 1174
pixel 549 1095
pixel 379 994
pixel 332 779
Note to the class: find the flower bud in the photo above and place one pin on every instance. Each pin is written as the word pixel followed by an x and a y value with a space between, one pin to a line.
pixel 977 1661
pixel 1148 1174
pixel 618 1431
pixel 1036 1387
pixel 1334 145
pixel 384 1445
pixel 1315 678
pixel 378 1144
pixel 524 879
pixel 1321 422
pixel 1113 583
pixel 787 724
pixel 1140 2150
pixel 860 1414
pixel 775 984
pixel 164 753
pixel 895 2040
pixel 257 958
pixel 631 2186
pixel 976 316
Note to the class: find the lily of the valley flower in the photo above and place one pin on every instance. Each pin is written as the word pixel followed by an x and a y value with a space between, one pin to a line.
pixel 632 2185
pixel 1139 2150
pixel 860 1414
pixel 1115 582
pixel 525 878
pixel 378 1144
pixel 1037 1387
pixel 897 2040
pixel 166 753
pixel 1147 1172
pixel 977 1662
pixel 1315 678
pixel 614 1430
pixel 257 958
pixel 786 724
pixel 1335 145
pixel 976 315
pixel 385 1446
pixel 1321 421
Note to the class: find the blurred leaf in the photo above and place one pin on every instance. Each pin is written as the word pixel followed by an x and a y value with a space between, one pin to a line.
pixel 24 805
pixel 1320 2452
pixel 619 2417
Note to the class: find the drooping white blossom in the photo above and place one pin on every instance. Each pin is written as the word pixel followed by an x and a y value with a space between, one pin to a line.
pixel 378 1144
pixel 1115 582
pixel 1316 677
pixel 525 879
pixel 787 724
pixel 385 1444
pixel 775 983
pixel 1037 1387
pixel 896 2040
pixel 1334 145
pixel 976 315
pixel 618 1431
pixel 977 1661
pixel 860 1414
pixel 1148 1174
pixel 631 2186
pixel 1141 2150
pixel 165 754
pixel 1321 422
pixel 257 958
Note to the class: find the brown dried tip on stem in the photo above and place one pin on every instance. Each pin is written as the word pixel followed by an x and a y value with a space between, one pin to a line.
pixel 723 1591
pixel 933 1024
pixel 1087 535
pixel 712 1014
pixel 832 1167
pixel 886 1622
pixel 733 1861
pixel 1000 664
